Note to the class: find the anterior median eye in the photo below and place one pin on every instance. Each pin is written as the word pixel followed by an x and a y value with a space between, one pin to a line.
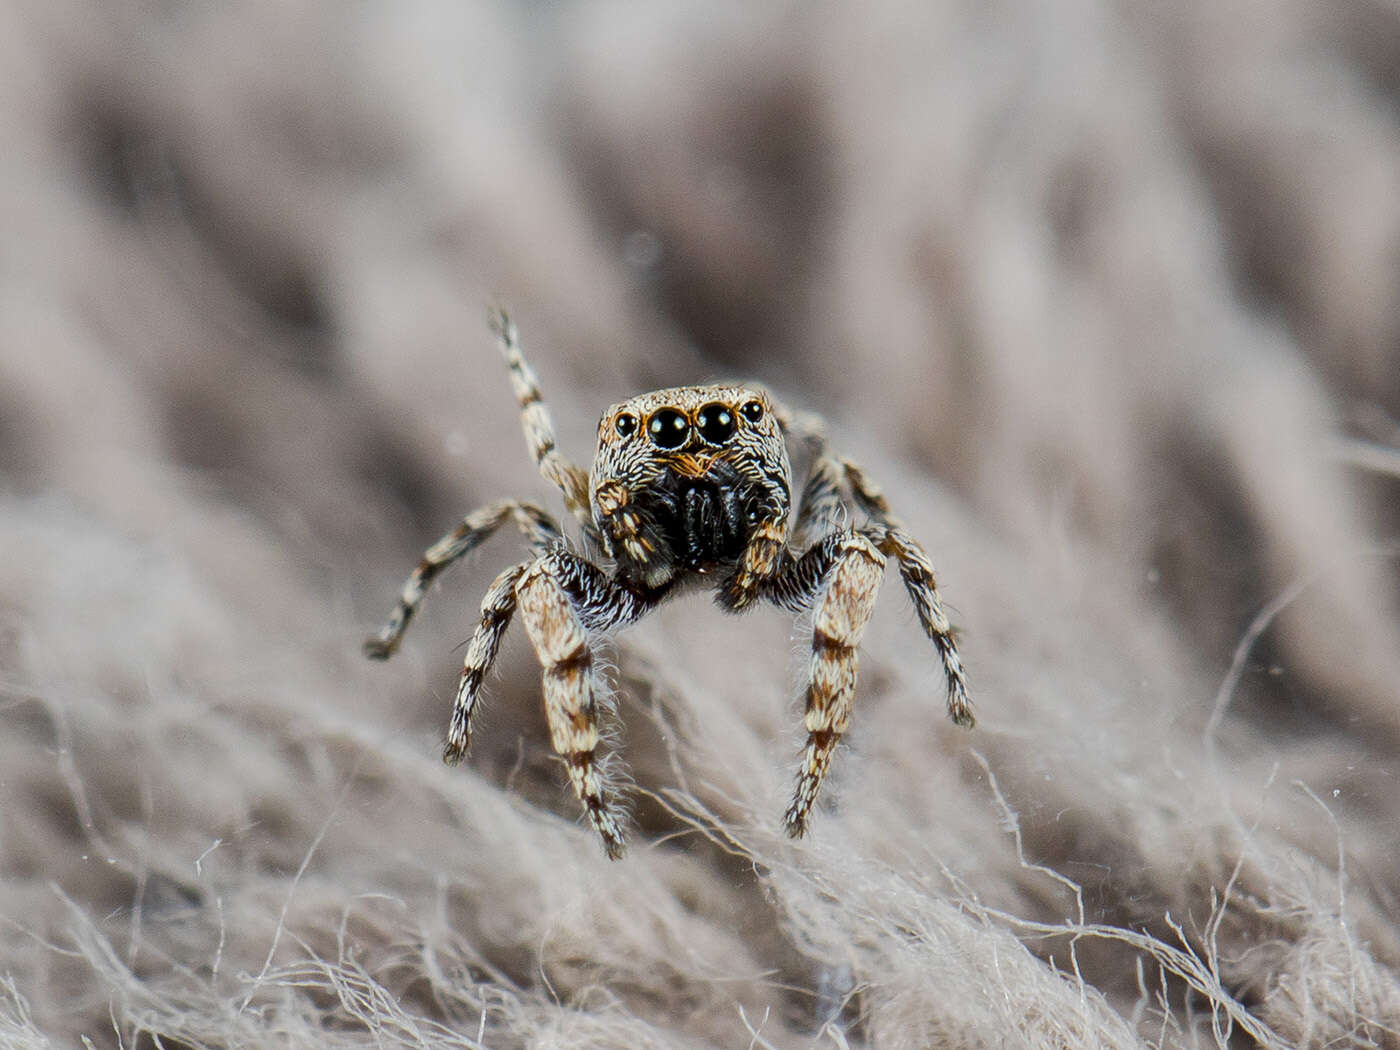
pixel 668 428
pixel 715 423
pixel 625 424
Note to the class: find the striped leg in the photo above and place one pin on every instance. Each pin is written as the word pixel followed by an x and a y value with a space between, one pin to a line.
pixel 539 528
pixel 847 602
pixel 496 610
pixel 539 429
pixel 917 572
pixel 560 595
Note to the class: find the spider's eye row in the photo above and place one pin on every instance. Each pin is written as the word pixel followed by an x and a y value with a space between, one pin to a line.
pixel 668 428
pixel 625 424
pixel 715 423
pixel 752 410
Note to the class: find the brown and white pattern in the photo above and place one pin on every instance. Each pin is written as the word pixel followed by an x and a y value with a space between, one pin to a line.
pixel 689 486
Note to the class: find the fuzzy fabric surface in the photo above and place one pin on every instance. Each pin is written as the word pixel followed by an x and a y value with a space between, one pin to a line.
pixel 1103 295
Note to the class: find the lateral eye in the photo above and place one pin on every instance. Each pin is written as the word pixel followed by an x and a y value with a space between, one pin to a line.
pixel 668 428
pixel 625 424
pixel 752 411
pixel 715 423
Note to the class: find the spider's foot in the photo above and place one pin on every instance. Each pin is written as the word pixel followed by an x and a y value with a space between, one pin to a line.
pixel 799 812
pixel 614 845
pixel 500 323
pixel 605 822
pixel 795 821
pixel 377 647
pixel 454 751
pixel 601 814
pixel 960 711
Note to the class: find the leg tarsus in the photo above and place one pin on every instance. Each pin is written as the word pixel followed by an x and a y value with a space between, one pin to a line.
pixel 377 648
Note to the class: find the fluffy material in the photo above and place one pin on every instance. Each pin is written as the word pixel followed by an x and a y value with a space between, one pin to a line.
pixel 1102 294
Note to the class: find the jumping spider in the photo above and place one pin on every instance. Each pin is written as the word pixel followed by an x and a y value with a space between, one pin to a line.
pixel 690 485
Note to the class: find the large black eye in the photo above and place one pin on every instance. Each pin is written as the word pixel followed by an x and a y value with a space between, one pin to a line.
pixel 715 423
pixel 752 410
pixel 625 424
pixel 668 428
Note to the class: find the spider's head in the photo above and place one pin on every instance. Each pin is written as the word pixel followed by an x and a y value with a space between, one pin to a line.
pixel 682 475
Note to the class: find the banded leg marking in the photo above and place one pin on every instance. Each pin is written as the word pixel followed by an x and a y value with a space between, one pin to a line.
pixel 916 570
pixel 537 526
pixel 821 505
pixel 917 573
pixel 538 427
pixel 844 610
pixel 570 700
pixel 496 610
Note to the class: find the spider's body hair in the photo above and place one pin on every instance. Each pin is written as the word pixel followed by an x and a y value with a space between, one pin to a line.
pixel 690 486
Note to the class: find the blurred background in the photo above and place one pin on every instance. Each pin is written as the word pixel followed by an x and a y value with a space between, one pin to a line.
pixel 1104 294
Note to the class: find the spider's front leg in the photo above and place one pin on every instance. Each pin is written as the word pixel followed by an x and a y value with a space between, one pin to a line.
pixel 844 572
pixel 553 465
pixel 561 597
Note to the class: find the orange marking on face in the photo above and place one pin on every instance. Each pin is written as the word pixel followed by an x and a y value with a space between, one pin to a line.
pixel 688 465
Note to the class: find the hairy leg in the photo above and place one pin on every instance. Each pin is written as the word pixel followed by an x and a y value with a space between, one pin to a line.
pixel 916 570
pixel 819 511
pixel 539 429
pixel 496 610
pixel 561 597
pixel 539 528
pixel 845 571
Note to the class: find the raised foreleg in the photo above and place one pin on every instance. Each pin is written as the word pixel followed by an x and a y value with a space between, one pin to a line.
pixel 556 468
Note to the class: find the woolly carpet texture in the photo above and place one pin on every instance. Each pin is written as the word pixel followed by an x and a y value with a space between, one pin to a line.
pixel 1103 294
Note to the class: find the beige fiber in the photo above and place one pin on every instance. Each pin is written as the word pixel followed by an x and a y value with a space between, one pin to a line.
pixel 1107 298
